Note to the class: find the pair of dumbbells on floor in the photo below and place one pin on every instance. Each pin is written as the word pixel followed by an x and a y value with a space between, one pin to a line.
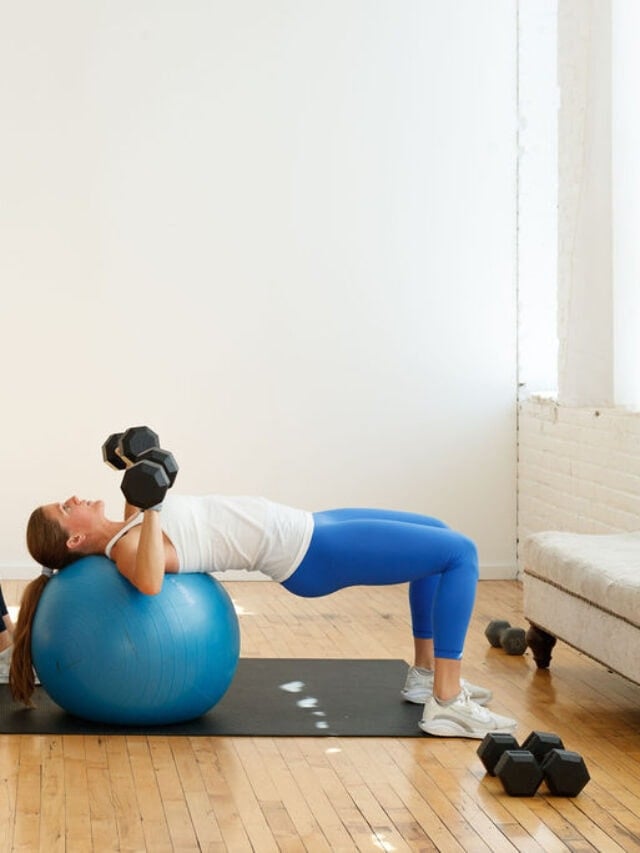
pixel 502 636
pixel 542 757
pixel 149 470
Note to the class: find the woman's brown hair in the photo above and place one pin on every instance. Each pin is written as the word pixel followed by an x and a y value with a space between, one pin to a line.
pixel 47 544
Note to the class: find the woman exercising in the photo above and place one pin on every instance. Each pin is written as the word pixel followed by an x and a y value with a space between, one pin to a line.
pixel 310 554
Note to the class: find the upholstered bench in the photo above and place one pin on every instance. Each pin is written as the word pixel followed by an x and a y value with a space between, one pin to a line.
pixel 584 589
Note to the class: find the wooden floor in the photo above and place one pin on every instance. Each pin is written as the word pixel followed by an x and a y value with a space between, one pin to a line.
pixel 333 794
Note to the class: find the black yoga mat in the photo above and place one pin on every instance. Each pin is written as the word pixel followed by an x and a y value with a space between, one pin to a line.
pixel 269 697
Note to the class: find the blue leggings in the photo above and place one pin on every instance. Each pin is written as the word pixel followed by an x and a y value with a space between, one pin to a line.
pixel 372 547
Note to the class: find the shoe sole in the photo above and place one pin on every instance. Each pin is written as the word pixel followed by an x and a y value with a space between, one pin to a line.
pixel 421 699
pixel 449 729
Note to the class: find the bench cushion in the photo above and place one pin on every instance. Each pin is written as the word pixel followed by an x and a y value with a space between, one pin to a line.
pixel 601 568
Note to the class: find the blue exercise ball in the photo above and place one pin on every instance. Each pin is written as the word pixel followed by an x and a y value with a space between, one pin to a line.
pixel 105 652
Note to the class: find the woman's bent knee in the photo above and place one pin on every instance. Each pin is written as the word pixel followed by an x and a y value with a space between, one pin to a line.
pixel 468 555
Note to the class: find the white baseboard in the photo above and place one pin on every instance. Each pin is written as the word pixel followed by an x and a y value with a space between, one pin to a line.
pixel 498 572
pixel 14 572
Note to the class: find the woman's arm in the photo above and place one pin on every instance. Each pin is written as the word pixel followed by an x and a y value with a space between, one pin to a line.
pixel 143 556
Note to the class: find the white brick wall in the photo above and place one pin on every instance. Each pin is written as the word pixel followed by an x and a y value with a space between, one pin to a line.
pixel 578 469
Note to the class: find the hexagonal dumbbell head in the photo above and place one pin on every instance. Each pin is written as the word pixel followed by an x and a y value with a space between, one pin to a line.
pixel 519 773
pixel 164 458
pixel 541 743
pixel 109 454
pixel 565 772
pixel 136 440
pixel 494 629
pixel 493 745
pixel 513 641
pixel 145 484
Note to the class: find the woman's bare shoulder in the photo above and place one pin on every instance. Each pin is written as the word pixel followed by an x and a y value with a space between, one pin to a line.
pixel 125 550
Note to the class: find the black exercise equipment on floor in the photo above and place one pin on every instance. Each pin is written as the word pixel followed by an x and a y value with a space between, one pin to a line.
pixel 565 772
pixel 492 747
pixel 269 697
pixel 542 756
pixel 519 772
pixel 501 635
pixel 539 744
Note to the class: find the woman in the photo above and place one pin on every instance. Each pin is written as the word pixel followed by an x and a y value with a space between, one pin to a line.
pixel 309 554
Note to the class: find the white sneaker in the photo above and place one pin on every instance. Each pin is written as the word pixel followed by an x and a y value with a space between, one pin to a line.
pixel 5 663
pixel 462 718
pixel 418 688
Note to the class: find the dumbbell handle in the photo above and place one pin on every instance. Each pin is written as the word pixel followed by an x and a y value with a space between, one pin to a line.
pixel 111 453
pixel 124 448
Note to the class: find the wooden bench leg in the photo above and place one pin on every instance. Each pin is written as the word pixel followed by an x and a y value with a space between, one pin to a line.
pixel 540 643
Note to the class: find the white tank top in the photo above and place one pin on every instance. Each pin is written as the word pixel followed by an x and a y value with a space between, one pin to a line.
pixel 213 533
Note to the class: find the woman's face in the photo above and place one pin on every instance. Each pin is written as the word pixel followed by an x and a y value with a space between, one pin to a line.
pixel 75 515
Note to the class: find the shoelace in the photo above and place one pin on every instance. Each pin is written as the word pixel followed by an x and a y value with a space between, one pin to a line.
pixel 477 710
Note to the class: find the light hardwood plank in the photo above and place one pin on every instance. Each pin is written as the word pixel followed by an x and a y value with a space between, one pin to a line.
pixel 28 796
pixel 149 800
pixel 78 830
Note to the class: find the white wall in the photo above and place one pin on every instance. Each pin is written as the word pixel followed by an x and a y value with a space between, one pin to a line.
pixel 579 461
pixel 625 201
pixel 537 196
pixel 585 304
pixel 282 233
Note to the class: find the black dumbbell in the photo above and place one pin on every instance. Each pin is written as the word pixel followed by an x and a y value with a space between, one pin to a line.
pixel 541 756
pixel 128 446
pixel 539 744
pixel 145 483
pixel 501 635
pixel 164 458
pixel 110 454
pixel 519 773
pixel 493 746
pixel 565 772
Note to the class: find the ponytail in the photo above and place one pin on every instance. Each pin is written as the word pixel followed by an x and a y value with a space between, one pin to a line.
pixel 22 680
pixel 47 544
